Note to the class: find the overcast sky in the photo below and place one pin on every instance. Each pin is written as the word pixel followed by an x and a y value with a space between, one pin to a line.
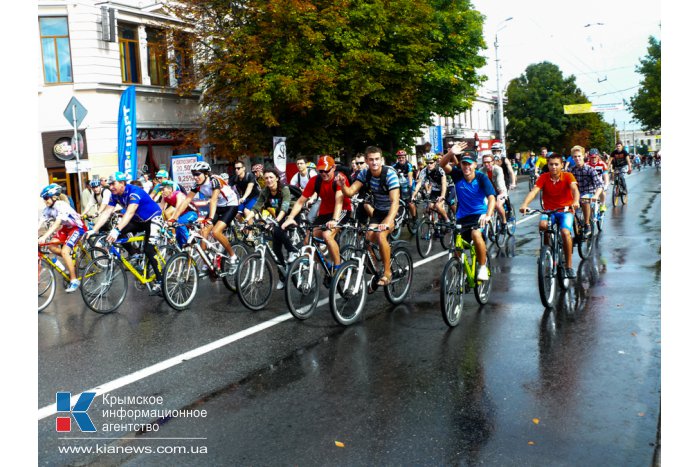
pixel 601 57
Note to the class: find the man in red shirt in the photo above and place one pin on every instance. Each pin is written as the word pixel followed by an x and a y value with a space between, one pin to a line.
pixel 559 190
pixel 333 205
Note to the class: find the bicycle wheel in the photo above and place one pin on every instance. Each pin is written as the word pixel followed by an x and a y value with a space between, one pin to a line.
pixel 348 293
pixel 500 233
pixel 398 223
pixel 104 285
pixel 623 192
pixel 451 291
pixel 561 265
pixel 401 276
pixel 585 244
pixel 447 238
pixel 180 281
pixel 241 250
pixel 424 238
pixel 531 184
pixel 482 291
pixel 412 225
pixel 302 289
pixel 47 284
pixel 615 194
pixel 254 279
pixel 545 276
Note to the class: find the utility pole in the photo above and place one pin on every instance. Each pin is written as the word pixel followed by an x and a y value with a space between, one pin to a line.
pixel 501 120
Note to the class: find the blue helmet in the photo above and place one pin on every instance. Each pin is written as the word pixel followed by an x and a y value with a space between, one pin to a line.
pixel 94 183
pixel 50 191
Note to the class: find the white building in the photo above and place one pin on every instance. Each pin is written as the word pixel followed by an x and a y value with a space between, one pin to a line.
pixel 637 138
pixel 93 50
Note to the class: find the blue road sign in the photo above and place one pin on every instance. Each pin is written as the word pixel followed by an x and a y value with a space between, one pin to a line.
pixel 80 112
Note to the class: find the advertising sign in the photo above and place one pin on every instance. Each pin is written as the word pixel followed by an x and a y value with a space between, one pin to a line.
pixel 436 139
pixel 126 134
pixel 279 155
pixel 181 173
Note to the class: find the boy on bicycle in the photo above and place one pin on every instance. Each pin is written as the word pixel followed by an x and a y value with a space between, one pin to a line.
pixel 559 191
pixel 590 185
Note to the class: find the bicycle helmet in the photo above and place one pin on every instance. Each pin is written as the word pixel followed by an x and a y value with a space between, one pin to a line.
pixel 497 147
pixel 311 165
pixel 400 152
pixel 162 174
pixel 259 168
pixel 593 152
pixel 50 191
pixel 200 166
pixel 224 176
pixel 94 183
pixel 169 183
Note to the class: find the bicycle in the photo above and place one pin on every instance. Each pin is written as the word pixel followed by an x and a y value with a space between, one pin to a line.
pixel 105 285
pixel 199 257
pixel 583 243
pixel 551 263
pixel 619 188
pixel 459 277
pixel 349 288
pixel 532 179
pixel 597 217
pixel 402 217
pixel 498 232
pixel 430 226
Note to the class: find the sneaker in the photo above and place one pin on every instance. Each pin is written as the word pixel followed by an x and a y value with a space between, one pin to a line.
pixel 280 285
pixel 586 230
pixel 73 286
pixel 570 273
pixel 156 288
pixel 603 208
pixel 482 274
pixel 232 265
pixel 292 257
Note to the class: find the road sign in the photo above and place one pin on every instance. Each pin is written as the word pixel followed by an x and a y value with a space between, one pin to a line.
pixel 80 112
pixel 72 166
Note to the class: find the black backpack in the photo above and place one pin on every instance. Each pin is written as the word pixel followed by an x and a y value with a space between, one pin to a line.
pixel 345 170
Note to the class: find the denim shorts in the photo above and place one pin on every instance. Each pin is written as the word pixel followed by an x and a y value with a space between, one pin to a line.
pixel 565 220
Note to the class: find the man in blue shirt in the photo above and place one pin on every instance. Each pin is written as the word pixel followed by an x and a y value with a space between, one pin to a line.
pixel 142 214
pixel 476 199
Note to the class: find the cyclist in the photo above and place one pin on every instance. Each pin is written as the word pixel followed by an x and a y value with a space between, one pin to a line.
pixel 621 163
pixel 602 169
pixel 246 185
pixel 497 152
pixel 299 182
pixel 383 183
pixel 405 171
pixel 437 179
pixel 333 208
pixel 559 190
pixel 531 164
pixel 161 176
pixel 141 214
pixel 542 160
pixel 495 175
pixel 223 206
pixel 476 199
pixel 69 225
pixel 172 199
pixel 590 185
pixel 257 170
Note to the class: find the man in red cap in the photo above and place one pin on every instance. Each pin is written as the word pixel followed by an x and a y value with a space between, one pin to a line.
pixel 333 206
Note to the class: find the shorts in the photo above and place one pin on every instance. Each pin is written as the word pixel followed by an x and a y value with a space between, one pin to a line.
pixel 378 217
pixel 69 235
pixel 434 195
pixel 467 222
pixel 451 197
pixel 324 218
pixel 225 214
pixel 249 203
pixel 565 220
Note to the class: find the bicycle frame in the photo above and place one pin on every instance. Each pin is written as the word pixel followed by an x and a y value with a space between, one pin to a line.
pixel 79 246
pixel 469 266
pixel 113 251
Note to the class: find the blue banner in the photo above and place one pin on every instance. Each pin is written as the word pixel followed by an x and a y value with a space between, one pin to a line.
pixel 436 139
pixel 126 134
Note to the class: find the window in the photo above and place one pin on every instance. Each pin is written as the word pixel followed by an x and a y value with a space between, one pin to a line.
pixel 184 66
pixel 129 54
pixel 157 57
pixel 55 50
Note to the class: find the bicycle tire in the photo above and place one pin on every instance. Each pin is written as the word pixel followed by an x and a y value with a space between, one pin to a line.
pixel 500 233
pixel 546 283
pixel 241 250
pixel 398 223
pixel 180 280
pixel 104 285
pixel 482 290
pixel 531 184
pixel 302 288
pixel 411 223
pixel 401 276
pixel 424 238
pixel 616 194
pixel 347 305
pixel 561 265
pixel 46 284
pixel 447 237
pixel 585 244
pixel 452 292
pixel 254 283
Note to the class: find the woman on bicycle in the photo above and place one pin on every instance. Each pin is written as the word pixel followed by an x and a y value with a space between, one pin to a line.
pixel 275 198
pixel 172 199
pixel 71 227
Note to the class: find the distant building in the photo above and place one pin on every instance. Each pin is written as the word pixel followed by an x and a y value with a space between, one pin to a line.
pixel 639 138
pixel 93 51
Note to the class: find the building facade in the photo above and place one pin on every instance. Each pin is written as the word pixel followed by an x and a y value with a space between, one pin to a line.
pixel 92 51
pixel 640 139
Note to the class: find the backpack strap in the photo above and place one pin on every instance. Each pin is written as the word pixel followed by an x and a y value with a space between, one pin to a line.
pixel 382 178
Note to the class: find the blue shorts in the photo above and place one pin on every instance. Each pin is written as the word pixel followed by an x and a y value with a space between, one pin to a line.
pixel 249 203
pixel 181 233
pixel 565 220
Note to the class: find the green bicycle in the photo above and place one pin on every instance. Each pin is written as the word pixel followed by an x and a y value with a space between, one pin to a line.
pixel 459 277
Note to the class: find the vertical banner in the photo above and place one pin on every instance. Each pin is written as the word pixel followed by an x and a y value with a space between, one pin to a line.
pixel 126 134
pixel 279 155
pixel 436 139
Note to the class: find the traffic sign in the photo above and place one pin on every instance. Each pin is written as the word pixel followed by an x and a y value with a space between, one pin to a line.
pixel 80 112
pixel 72 166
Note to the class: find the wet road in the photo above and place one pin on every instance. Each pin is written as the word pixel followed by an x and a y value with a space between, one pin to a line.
pixel 513 384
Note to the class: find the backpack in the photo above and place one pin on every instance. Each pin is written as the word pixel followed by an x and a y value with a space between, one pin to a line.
pixel 345 170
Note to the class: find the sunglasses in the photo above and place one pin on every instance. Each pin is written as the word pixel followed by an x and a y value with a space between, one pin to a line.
pixel 196 174
pixel 324 171
pixel 431 162
pixel 360 162
pixel 46 197
pixel 239 168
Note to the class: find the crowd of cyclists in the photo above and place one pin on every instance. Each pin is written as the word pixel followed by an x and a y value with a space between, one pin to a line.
pixel 321 200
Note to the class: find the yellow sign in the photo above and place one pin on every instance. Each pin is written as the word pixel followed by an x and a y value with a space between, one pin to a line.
pixel 578 108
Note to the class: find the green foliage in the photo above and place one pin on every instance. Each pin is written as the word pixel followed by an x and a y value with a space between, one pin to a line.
pixel 535 113
pixel 331 75
pixel 645 106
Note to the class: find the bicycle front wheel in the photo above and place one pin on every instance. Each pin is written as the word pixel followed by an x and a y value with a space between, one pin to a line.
pixel 302 289
pixel 401 276
pixel 424 238
pixel 104 285
pixel 254 279
pixel 585 244
pixel 499 233
pixel 240 250
pixel 348 293
pixel 47 284
pixel 482 291
pixel 451 291
pixel 616 194
pixel 180 280
pixel 545 276
pixel 447 237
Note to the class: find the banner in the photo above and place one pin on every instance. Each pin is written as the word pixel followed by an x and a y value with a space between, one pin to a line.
pixel 279 155
pixel 590 108
pixel 181 172
pixel 126 134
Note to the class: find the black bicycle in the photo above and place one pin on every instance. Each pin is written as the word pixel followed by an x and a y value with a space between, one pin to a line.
pixel 619 187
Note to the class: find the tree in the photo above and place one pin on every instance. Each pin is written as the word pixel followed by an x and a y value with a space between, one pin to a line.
pixel 645 106
pixel 331 74
pixel 535 112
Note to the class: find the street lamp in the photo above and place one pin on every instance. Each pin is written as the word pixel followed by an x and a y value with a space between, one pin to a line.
pixel 501 121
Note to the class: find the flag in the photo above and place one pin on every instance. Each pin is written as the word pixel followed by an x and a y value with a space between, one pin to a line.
pixel 126 134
